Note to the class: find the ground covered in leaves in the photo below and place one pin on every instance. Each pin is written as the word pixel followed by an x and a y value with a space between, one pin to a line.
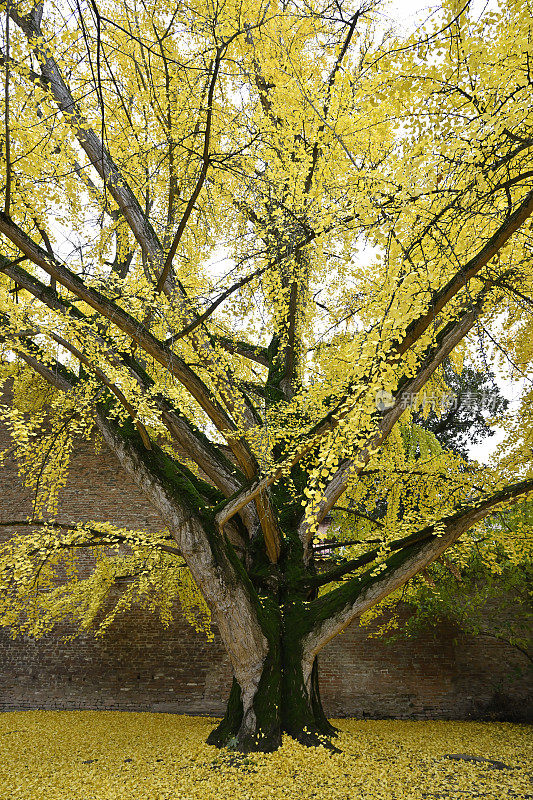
pixel 92 755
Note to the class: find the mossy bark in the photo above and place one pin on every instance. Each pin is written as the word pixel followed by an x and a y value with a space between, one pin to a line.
pixel 286 700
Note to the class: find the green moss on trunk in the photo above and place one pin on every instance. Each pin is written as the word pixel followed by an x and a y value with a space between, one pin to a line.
pixel 283 703
pixel 229 726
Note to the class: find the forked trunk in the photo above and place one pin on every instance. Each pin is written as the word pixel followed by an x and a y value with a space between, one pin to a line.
pixel 287 700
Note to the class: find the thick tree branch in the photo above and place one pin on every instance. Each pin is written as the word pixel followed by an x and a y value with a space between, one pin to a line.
pixel 443 296
pixel 252 352
pixel 55 377
pixel 289 352
pixel 210 558
pixel 447 339
pixel 193 442
pixel 102 377
pixel 89 141
pixel 329 614
pixel 61 378
pixel 128 324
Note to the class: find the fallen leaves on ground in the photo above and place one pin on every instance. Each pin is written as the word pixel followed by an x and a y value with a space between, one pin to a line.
pixel 108 755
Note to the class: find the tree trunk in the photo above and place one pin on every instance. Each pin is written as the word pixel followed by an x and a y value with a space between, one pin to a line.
pixel 286 700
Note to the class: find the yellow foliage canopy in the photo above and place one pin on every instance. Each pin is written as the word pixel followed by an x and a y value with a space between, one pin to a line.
pixel 229 233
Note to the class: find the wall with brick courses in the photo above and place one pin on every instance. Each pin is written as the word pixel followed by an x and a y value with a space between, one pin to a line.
pixel 141 666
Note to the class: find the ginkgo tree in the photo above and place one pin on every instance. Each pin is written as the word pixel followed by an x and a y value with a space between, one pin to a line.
pixel 239 240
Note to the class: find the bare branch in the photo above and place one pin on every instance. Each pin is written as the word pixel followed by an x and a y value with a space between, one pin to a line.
pixel 201 178
pixel 7 131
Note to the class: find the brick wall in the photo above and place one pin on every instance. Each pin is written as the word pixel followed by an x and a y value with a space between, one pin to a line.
pixel 141 666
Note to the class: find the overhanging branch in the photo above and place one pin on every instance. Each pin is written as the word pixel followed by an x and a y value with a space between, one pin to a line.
pixel 109 537
pixel 329 614
pixel 223 474
pixel 128 324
